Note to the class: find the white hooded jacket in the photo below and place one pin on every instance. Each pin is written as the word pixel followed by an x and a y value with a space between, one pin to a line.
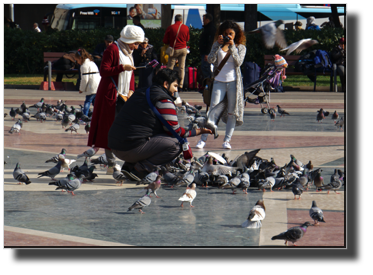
pixel 90 77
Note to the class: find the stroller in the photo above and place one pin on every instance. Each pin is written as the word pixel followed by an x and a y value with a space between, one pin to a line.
pixel 262 88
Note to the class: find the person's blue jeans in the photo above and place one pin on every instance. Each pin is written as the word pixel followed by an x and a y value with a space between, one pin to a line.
pixel 205 67
pixel 87 103
pixel 219 90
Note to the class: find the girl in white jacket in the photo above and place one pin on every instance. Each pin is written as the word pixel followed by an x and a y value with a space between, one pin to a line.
pixel 90 78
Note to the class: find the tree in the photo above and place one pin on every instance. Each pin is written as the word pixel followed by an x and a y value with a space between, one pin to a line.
pixel 251 16
pixel 166 16
pixel 214 10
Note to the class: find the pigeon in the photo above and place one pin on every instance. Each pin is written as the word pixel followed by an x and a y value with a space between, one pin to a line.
pixel 73 128
pixel 40 116
pixel 149 178
pixel 321 114
pixel 101 160
pixel 12 113
pixel 233 183
pixel 281 111
pixel 20 176
pixel 70 184
pixel 186 180
pixel 335 116
pixel 318 180
pixel 189 195
pixel 316 213
pixel 67 162
pixel 89 175
pixel 272 114
pixel 154 186
pixel 168 177
pixel 272 34
pixel 266 183
pixel 245 182
pixel 256 215
pixel 16 128
pixel 201 178
pixel 247 159
pixel 57 157
pixel 340 123
pixel 140 204
pixel 53 172
pixel 300 46
pixel 65 121
pixel 38 105
pixel 217 169
pixel 118 175
pixel 334 186
pixel 293 234
pixel 297 189
pixel 26 116
pixel 89 153
pixel 309 165
pixel 87 127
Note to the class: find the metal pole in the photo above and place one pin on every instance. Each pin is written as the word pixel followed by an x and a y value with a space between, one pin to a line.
pixel 335 78
pixel 49 75
pixel 11 9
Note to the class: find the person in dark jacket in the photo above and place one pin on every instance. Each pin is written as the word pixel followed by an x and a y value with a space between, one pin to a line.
pixel 205 43
pixel 100 48
pixel 139 138
pixel 142 56
pixel 338 58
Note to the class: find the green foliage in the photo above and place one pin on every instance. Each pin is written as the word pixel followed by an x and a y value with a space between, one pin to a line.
pixel 23 49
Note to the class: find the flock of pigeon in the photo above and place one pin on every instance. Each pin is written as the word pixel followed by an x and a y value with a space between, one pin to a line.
pixel 71 118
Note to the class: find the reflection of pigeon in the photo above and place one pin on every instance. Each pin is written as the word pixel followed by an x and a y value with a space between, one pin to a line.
pixel 293 234
pixel 272 34
pixel 140 204
pixel 189 195
pixel 256 215
pixel 19 175
pixel 300 46
pixel 316 213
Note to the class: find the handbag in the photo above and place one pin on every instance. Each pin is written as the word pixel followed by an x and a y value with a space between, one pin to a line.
pixel 209 81
pixel 170 50
pixel 187 151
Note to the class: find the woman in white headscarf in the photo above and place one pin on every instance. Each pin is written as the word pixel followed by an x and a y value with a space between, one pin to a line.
pixel 116 72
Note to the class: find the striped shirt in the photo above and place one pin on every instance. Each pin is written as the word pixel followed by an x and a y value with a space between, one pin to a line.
pixel 167 110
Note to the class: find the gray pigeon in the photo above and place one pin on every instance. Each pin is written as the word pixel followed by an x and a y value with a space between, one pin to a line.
pixel 233 183
pixel 140 204
pixel 340 123
pixel 20 176
pixel 297 189
pixel 149 178
pixel 201 178
pixel 268 182
pixel 53 172
pixel 41 116
pixel 217 169
pixel 57 157
pixel 119 176
pixel 88 153
pixel 332 186
pixel 293 234
pixel 187 179
pixel 316 213
pixel 101 160
pixel 70 184
pixel 73 128
pixel 300 46
pixel 12 113
pixel 16 128
pixel 245 182
pixel 281 111
pixel 272 34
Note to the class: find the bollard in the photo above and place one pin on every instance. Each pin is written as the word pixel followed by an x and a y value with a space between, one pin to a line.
pixel 49 75
pixel 335 78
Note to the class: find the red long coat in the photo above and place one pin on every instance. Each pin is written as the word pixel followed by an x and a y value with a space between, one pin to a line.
pixel 106 96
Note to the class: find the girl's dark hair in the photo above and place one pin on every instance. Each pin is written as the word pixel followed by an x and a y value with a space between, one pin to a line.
pixel 166 75
pixel 84 54
pixel 239 38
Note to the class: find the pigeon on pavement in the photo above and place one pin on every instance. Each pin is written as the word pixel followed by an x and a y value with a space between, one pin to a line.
pixel 272 34
pixel 300 46
pixel 89 153
pixel 335 116
pixel 316 213
pixel 20 176
pixel 281 111
pixel 16 128
pixel 70 184
pixel 268 182
pixel 118 175
pixel 53 172
pixel 189 195
pixel 297 189
pixel 293 234
pixel 256 215
pixel 154 186
pixel 340 123
pixel 332 186
pixel 140 204
pixel 321 114
pixel 12 113
pixel 73 128
pixel 56 158
pixel 149 178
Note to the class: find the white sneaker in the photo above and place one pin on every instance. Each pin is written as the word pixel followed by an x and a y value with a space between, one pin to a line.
pixel 200 144
pixel 226 145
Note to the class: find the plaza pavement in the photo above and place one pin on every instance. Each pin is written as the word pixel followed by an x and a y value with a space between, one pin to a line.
pixel 37 216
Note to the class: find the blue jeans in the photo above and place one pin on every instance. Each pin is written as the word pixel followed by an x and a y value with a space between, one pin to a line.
pixel 87 103
pixel 219 90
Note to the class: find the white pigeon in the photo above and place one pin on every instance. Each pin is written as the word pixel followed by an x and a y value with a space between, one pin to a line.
pixel 67 162
pixel 256 215
pixel 272 34
pixel 300 45
pixel 16 128
pixel 89 153
pixel 268 182
pixel 118 175
pixel 189 195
